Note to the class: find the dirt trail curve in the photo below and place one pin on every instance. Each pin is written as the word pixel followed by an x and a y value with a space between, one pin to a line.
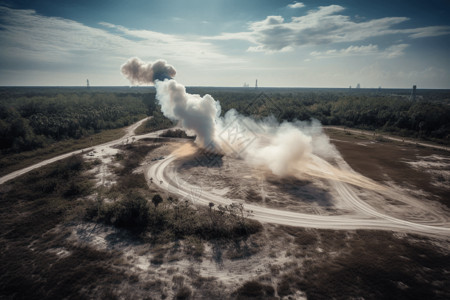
pixel 392 138
pixel 129 132
pixel 163 174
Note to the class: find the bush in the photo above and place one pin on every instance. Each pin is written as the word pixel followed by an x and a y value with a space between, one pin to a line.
pixel 176 133
pixel 131 212
pixel 183 293
pixel 255 290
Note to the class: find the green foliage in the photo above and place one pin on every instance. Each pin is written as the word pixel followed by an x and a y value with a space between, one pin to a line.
pixel 157 122
pixel 180 219
pixel 131 212
pixel 428 117
pixel 15 161
pixel 30 122
pixel 177 133
pixel 48 193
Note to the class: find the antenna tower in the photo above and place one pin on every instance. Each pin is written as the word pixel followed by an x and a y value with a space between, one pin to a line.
pixel 413 93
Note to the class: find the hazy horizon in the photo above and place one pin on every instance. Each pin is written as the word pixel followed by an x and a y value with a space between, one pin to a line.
pixel 317 44
pixel 216 86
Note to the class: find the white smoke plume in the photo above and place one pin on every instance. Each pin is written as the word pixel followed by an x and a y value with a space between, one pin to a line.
pixel 192 111
pixel 281 148
pixel 287 145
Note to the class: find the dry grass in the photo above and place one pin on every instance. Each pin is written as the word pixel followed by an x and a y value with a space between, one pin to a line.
pixel 32 207
pixel 367 264
pixel 178 240
pixel 17 161
pixel 382 161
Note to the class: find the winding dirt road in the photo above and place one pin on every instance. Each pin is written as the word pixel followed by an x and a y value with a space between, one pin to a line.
pixel 129 133
pixel 164 175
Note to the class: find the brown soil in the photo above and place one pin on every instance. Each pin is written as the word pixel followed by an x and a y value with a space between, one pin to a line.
pixel 388 161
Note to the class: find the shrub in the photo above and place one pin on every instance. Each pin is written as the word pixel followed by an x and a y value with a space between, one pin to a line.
pixel 183 293
pixel 254 289
pixel 131 212
pixel 176 133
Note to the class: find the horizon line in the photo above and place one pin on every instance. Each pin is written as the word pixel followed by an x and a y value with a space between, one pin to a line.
pixel 216 86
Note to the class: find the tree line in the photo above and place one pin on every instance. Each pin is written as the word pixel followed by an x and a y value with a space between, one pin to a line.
pixel 28 122
pixel 427 117
pixel 34 118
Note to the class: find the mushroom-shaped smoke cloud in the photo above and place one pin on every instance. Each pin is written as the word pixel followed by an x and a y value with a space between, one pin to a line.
pixel 139 72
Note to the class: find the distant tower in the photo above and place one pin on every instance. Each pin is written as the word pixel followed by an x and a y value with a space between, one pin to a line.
pixel 358 86
pixel 87 83
pixel 256 84
pixel 413 93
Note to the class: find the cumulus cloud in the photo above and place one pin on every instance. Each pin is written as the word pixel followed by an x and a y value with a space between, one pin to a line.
pixel 325 25
pixel 296 5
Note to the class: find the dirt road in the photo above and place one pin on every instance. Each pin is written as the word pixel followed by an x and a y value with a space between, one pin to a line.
pixel 164 175
pixel 129 133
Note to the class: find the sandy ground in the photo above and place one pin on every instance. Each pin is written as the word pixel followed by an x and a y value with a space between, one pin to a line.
pixel 389 137
pixel 353 199
pixel 343 200
pixel 228 267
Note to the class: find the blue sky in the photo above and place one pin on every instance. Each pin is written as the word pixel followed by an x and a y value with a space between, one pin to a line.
pixel 226 43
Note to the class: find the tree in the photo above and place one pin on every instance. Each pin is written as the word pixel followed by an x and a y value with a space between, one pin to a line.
pixel 156 200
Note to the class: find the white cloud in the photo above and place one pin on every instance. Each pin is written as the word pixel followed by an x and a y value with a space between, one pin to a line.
pixel 296 5
pixel 322 26
pixel 32 41
pixel 395 50
pixel 390 52
pixel 428 31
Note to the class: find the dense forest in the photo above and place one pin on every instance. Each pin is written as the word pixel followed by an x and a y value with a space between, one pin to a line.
pixel 35 120
pixel 426 117
pixel 32 118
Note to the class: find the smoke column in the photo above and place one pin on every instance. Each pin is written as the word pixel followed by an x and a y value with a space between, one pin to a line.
pixel 191 111
pixel 281 148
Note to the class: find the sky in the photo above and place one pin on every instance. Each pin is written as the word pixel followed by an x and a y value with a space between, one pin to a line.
pixel 392 44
